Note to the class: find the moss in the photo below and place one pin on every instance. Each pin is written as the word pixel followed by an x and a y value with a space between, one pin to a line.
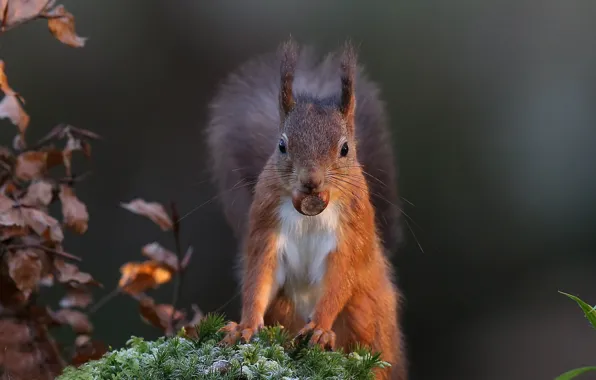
pixel 271 355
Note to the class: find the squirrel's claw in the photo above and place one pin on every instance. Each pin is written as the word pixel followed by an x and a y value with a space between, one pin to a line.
pixel 322 337
pixel 237 332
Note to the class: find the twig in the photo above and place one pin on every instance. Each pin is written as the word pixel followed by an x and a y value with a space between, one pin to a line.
pixel 53 346
pixel 180 271
pixel 74 178
pixel 104 300
pixel 46 249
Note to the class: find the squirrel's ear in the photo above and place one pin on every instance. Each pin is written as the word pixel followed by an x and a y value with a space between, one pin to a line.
pixel 289 56
pixel 348 73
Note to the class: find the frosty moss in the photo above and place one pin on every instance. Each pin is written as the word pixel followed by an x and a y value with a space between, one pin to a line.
pixel 272 355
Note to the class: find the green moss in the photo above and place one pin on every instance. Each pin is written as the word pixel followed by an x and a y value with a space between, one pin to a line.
pixel 271 355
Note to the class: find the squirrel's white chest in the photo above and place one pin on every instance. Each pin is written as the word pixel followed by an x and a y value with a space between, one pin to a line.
pixel 304 243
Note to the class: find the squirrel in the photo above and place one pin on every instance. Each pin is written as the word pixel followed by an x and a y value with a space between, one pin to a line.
pixel 293 142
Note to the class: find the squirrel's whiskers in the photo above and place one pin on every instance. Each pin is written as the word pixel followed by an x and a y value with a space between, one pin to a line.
pixel 313 241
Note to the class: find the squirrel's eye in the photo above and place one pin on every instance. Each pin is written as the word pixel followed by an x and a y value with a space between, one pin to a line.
pixel 344 150
pixel 282 146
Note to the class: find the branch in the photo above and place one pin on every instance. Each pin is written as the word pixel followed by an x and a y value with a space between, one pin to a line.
pixel 180 271
pixel 46 249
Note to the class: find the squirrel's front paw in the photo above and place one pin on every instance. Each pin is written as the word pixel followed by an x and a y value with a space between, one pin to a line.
pixel 323 337
pixel 235 332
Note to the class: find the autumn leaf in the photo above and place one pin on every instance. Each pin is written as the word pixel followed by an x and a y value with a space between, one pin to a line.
pixel 43 224
pixel 47 280
pixel 138 277
pixel 9 232
pixel 13 333
pixel 152 210
pixel 67 273
pixel 190 326
pixel 12 214
pixel 86 350
pixel 156 252
pixel 32 165
pixel 158 315
pixel 10 106
pixel 77 320
pixel 10 295
pixel 76 297
pixel 24 267
pixel 72 145
pixel 62 25
pixel 15 12
pixel 23 365
pixel 73 210
pixel 9 215
pixel 39 194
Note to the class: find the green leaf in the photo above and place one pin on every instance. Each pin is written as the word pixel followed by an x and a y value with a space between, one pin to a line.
pixel 589 311
pixel 574 373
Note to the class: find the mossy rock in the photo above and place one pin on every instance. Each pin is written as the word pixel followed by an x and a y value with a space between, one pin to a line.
pixel 271 355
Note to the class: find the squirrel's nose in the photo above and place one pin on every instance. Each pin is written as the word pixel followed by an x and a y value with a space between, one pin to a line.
pixel 311 180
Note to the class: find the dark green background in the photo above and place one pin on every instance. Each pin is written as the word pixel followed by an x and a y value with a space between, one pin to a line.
pixel 492 106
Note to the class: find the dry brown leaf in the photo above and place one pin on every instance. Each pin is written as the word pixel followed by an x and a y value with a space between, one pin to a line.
pixel 77 320
pixel 10 106
pixel 67 273
pixel 74 211
pixel 18 143
pixel 76 297
pixel 24 365
pixel 9 232
pixel 39 194
pixel 15 12
pixel 158 315
pixel 47 280
pixel 62 25
pixel 43 224
pixel 10 215
pixel 86 350
pixel 138 277
pixel 190 326
pixel 72 144
pixel 156 252
pixel 10 295
pixel 33 165
pixel 24 267
pixel 152 210
pixel 13 333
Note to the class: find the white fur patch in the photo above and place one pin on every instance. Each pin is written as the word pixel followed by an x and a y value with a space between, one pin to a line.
pixel 303 246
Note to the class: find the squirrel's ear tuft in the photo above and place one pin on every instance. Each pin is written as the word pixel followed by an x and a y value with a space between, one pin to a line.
pixel 348 74
pixel 289 55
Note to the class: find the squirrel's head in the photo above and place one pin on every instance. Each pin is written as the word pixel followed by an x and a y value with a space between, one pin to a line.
pixel 316 147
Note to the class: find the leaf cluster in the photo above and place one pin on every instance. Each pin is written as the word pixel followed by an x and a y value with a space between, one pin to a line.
pixel 32 180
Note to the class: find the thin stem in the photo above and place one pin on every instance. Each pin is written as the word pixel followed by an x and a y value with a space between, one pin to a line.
pixel 104 300
pixel 180 271
pixel 46 249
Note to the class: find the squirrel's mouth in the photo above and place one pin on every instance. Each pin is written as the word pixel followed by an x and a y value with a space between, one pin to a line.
pixel 310 204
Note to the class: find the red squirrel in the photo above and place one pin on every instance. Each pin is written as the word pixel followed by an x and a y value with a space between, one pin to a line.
pixel 294 143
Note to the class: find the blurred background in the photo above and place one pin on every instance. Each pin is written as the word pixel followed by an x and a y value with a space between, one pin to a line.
pixel 493 113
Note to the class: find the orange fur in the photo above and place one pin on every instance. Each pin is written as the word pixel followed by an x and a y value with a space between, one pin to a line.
pixel 358 300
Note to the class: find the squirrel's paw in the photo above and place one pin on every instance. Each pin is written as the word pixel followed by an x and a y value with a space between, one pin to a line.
pixel 235 332
pixel 323 337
